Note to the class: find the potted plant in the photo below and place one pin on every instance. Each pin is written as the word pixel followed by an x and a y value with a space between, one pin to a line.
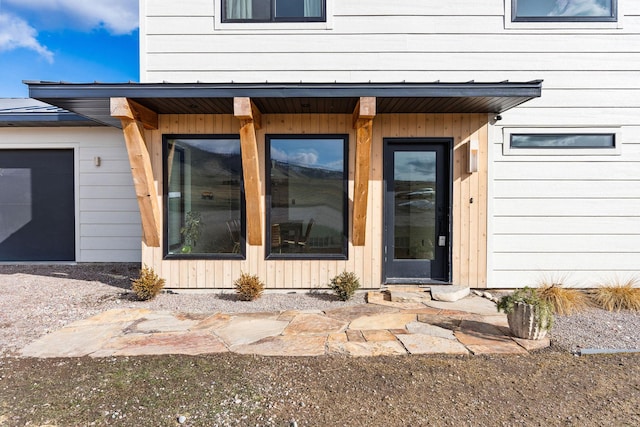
pixel 191 231
pixel 529 316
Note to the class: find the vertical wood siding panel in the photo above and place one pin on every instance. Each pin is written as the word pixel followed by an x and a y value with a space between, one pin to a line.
pixel 482 126
pixel 472 259
pixel 365 261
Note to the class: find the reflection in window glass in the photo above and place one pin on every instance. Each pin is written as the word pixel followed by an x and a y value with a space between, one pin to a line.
pixel 559 10
pixel 307 185
pixel 204 196
pixel 563 141
pixel 414 177
pixel 273 10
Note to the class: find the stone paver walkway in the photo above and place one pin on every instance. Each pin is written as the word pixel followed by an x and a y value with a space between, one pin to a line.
pixel 398 322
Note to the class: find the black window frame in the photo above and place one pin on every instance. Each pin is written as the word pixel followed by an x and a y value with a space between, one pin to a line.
pixel 612 18
pixel 565 147
pixel 269 255
pixel 273 18
pixel 241 255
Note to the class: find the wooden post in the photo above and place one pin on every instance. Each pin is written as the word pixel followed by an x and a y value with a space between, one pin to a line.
pixel 134 119
pixel 250 120
pixel 363 116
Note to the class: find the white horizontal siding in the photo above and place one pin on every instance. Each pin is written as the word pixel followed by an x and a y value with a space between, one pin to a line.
pixel 109 243
pixel 101 191
pixel 118 255
pixel 332 42
pixel 579 279
pixel 100 218
pixel 568 207
pixel 107 165
pixel 393 61
pixel 567 262
pixel 110 230
pixel 178 8
pixel 566 189
pixel 109 204
pixel 568 243
pixel 116 178
pixel 575 225
pixel 565 116
pixel 590 81
pixel 574 216
pixel 108 221
pixel 585 170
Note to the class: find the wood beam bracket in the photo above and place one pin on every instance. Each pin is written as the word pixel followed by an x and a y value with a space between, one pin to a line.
pixel 250 119
pixel 363 116
pixel 244 109
pixel 133 117
pixel 124 108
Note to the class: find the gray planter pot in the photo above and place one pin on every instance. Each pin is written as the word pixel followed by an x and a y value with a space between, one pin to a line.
pixel 524 323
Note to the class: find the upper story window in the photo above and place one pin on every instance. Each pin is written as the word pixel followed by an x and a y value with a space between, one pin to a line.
pixel 273 11
pixel 607 140
pixel 564 10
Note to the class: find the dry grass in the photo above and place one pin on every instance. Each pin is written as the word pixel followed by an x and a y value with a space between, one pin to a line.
pixel 564 299
pixel 618 296
pixel 148 285
pixel 248 287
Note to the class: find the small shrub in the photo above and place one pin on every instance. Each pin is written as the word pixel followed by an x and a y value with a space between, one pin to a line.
pixel 345 285
pixel 564 300
pixel 618 296
pixel 248 287
pixel 148 285
pixel 526 295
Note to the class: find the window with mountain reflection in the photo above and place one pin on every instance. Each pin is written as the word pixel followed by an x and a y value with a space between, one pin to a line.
pixel 307 196
pixel 203 199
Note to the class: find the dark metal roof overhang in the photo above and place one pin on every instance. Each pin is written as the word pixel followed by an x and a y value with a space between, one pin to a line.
pixel 18 112
pixel 93 100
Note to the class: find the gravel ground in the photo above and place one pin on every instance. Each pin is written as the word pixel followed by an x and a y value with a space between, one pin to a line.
pixel 37 299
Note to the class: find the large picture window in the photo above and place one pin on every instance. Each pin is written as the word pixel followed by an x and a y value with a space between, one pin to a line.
pixel 273 10
pixel 564 10
pixel 307 196
pixel 203 196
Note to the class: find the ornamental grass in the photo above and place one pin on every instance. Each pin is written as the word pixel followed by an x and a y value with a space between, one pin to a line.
pixel 564 300
pixel 618 296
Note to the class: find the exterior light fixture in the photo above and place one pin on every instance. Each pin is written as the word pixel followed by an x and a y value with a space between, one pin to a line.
pixel 473 147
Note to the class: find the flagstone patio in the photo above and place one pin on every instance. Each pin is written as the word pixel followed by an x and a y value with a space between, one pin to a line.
pixel 408 322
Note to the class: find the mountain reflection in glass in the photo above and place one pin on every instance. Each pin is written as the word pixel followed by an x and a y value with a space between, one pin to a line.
pixel 204 198
pixel 307 196
pixel 415 196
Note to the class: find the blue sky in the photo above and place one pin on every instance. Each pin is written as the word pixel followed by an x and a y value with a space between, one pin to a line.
pixel 67 40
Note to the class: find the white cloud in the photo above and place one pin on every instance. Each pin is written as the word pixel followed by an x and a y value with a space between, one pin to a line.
pixel 579 8
pixel 300 157
pixel 15 33
pixel 308 158
pixel 116 16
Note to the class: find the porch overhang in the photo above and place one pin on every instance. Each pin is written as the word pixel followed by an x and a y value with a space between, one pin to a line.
pixel 92 100
pixel 136 106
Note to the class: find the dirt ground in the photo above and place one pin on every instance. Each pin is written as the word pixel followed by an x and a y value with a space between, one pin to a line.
pixel 550 388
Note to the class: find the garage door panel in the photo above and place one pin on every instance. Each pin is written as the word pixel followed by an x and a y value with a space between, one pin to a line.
pixel 37 205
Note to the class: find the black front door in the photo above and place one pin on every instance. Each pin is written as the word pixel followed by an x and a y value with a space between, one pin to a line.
pixel 417 208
